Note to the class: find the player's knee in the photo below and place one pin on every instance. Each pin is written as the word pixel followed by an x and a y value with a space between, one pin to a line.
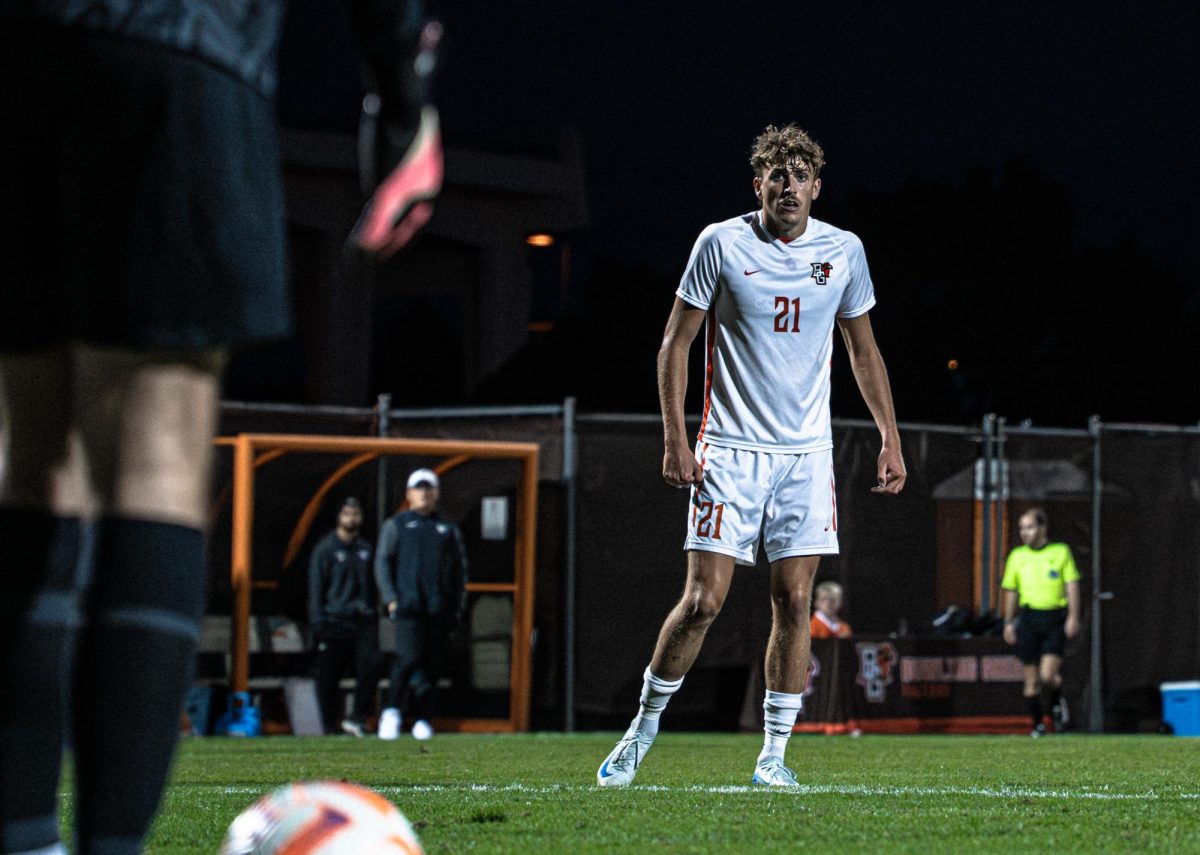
pixel 700 609
pixel 793 606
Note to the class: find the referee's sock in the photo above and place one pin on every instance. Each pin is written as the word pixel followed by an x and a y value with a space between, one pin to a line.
pixel 135 662
pixel 1035 710
pixel 1051 701
pixel 47 557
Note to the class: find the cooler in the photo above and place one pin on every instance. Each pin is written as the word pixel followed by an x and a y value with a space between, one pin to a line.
pixel 1181 707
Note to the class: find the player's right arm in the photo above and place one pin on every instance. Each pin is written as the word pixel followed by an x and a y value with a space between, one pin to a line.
pixel 1011 585
pixel 1010 616
pixel 680 467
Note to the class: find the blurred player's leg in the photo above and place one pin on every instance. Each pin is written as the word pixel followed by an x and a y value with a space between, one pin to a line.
pixel 43 498
pixel 1033 699
pixel 366 676
pixel 148 423
pixel 1050 684
pixel 410 640
pixel 679 642
pixel 333 654
pixel 786 664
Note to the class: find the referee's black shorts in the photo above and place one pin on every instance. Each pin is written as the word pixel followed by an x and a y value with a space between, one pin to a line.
pixel 1041 632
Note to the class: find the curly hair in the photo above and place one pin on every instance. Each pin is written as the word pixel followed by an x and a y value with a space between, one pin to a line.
pixel 778 145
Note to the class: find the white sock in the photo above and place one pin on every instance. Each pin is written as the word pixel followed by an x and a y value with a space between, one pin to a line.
pixel 779 717
pixel 655 694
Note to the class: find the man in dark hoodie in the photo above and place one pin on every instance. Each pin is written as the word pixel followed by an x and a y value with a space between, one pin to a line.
pixel 421 570
pixel 342 614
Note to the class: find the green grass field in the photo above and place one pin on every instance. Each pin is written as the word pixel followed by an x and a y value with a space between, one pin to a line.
pixel 877 794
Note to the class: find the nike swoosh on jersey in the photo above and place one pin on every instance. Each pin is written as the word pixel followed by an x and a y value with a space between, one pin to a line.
pixel 751 272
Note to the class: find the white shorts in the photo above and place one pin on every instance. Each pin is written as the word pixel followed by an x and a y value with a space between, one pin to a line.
pixel 790 498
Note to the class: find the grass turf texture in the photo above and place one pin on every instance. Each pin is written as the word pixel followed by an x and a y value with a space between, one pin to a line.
pixel 878 794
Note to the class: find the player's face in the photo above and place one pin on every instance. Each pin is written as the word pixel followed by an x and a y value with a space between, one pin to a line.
pixel 1031 533
pixel 350 519
pixel 422 498
pixel 787 191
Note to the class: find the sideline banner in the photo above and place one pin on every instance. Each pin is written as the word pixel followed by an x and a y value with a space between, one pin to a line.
pixel 913 685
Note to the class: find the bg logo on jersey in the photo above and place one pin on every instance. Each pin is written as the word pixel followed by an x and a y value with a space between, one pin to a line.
pixel 875 665
pixel 821 271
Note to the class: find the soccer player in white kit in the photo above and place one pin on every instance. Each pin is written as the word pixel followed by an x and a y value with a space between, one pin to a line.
pixel 769 285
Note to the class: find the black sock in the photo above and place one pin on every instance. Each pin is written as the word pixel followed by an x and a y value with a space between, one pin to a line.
pixel 1035 709
pixel 43 557
pixel 135 662
pixel 26 538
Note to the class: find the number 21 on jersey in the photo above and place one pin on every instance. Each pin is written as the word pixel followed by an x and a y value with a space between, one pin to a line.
pixel 787 311
pixel 707 517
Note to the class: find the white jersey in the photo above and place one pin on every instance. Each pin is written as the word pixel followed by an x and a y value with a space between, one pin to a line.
pixel 771 311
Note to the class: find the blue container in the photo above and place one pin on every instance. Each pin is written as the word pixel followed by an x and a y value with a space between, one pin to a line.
pixel 241 719
pixel 1181 707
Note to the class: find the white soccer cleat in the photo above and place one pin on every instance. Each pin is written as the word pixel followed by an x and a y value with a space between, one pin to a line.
pixel 770 772
pixel 621 765
pixel 389 724
pixel 422 730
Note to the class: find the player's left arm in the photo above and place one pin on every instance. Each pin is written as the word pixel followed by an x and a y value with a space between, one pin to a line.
pixel 872 378
pixel 1074 600
pixel 1073 604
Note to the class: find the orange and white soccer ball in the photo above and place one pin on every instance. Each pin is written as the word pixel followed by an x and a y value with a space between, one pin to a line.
pixel 321 818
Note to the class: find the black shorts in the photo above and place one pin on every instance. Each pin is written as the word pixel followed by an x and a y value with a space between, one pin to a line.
pixel 143 205
pixel 1041 633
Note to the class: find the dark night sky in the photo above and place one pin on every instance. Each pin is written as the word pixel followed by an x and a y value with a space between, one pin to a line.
pixel 667 97
pixel 1098 98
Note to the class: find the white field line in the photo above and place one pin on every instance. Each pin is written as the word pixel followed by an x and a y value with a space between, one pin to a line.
pixel 802 790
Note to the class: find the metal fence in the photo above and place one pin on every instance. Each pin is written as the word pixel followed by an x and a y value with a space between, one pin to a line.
pixel 1126 498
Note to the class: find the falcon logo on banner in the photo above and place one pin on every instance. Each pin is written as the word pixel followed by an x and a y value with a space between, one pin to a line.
pixel 876 669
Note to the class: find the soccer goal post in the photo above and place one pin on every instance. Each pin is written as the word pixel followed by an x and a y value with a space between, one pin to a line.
pixel 253 449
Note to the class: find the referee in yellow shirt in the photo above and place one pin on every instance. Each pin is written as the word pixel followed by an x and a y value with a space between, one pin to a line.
pixel 1042 577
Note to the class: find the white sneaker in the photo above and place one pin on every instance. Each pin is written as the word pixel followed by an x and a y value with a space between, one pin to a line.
pixel 422 729
pixel 389 724
pixel 354 728
pixel 770 772
pixel 622 763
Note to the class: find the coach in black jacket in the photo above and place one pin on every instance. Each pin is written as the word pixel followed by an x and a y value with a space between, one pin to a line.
pixel 421 570
pixel 342 611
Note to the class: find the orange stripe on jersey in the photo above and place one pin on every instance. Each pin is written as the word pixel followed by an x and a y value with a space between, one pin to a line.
pixel 833 497
pixel 710 341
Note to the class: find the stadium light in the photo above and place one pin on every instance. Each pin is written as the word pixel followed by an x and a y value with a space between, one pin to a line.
pixel 540 239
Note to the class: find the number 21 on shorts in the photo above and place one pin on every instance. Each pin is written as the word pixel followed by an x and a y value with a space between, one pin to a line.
pixel 707 517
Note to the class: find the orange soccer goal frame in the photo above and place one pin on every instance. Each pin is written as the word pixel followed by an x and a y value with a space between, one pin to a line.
pixel 254 449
